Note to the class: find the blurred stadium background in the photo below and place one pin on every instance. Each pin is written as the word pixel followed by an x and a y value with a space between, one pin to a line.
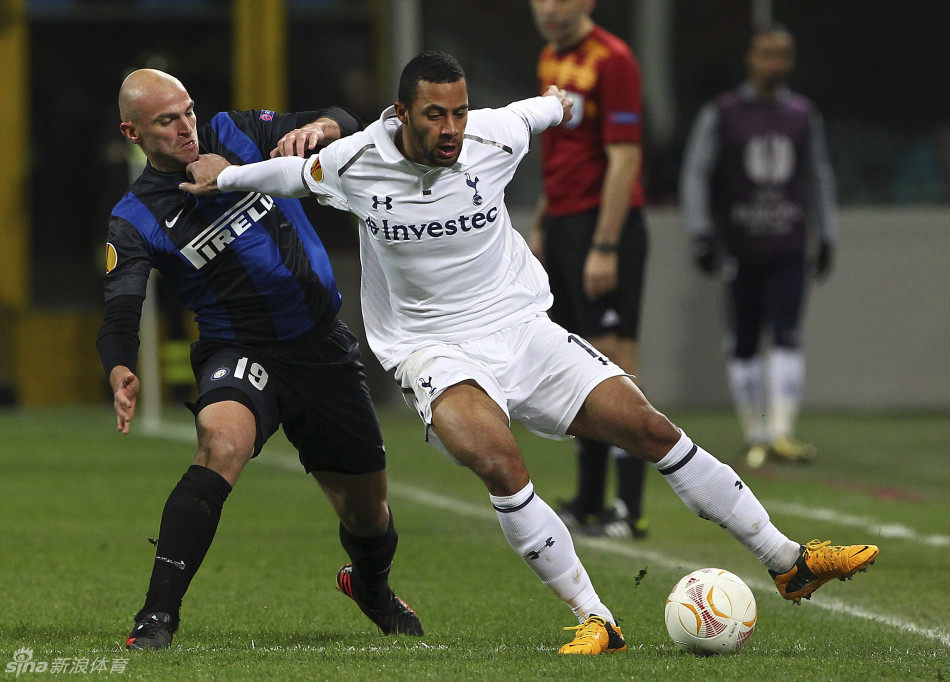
pixel 877 333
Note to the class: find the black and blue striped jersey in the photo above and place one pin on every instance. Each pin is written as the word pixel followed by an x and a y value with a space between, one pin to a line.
pixel 250 267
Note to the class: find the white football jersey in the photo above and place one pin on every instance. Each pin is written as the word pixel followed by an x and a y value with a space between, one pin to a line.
pixel 441 261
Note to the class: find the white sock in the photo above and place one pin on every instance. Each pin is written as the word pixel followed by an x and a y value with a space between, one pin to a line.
pixel 786 382
pixel 716 493
pixel 539 536
pixel 749 392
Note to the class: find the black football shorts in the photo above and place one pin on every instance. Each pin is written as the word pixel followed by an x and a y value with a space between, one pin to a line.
pixel 314 386
pixel 567 241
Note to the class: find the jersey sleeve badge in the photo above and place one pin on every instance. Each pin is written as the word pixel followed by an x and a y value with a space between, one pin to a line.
pixel 624 117
pixel 316 170
pixel 267 115
pixel 112 257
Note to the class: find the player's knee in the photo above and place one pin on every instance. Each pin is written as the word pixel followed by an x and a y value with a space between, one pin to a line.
pixel 223 450
pixel 655 434
pixel 503 473
pixel 365 520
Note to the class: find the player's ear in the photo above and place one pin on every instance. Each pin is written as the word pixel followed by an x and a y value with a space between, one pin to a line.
pixel 130 132
pixel 402 113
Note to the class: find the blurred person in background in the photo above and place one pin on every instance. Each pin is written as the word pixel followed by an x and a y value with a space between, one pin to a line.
pixel 270 351
pixel 589 230
pixel 757 190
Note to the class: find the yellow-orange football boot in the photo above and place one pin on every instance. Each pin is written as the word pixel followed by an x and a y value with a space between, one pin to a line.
pixel 819 563
pixel 595 636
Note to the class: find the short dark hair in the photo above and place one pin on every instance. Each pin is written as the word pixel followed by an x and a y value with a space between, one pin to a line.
pixel 770 27
pixel 431 66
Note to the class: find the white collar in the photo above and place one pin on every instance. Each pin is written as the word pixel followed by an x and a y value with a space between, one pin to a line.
pixel 384 137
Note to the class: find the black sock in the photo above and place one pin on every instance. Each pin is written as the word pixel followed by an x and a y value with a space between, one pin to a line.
pixel 372 559
pixel 189 521
pixel 591 477
pixel 630 474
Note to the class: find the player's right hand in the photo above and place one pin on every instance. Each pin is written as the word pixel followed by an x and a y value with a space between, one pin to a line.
pixel 302 141
pixel 204 174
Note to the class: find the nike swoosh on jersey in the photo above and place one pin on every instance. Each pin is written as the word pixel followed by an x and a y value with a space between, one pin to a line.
pixel 171 223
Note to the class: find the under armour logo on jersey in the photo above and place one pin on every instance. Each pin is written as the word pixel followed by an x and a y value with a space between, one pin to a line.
pixel 386 202
pixel 477 199
pixel 537 555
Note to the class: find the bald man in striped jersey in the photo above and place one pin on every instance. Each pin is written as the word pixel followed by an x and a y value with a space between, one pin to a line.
pixel 270 348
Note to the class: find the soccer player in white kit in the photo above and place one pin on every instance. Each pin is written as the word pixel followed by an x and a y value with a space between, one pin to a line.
pixel 455 305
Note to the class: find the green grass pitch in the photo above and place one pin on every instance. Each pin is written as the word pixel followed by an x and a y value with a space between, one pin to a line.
pixel 79 502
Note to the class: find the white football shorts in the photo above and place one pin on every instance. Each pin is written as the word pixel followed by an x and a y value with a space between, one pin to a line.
pixel 536 371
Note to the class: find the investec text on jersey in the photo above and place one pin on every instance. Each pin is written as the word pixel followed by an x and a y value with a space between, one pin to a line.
pixel 434 229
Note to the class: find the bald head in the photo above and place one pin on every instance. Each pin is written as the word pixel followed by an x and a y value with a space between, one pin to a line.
pixel 143 87
pixel 159 116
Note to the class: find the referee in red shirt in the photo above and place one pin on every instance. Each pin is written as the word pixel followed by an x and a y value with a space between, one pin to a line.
pixel 589 229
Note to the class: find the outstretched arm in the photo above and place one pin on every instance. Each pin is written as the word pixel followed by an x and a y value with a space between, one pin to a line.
pixel 540 113
pixel 300 141
pixel 317 129
pixel 279 177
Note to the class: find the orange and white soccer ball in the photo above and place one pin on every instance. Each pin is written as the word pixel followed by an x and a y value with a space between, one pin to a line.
pixel 710 611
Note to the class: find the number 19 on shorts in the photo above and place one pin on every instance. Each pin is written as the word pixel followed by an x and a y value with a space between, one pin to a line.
pixel 256 374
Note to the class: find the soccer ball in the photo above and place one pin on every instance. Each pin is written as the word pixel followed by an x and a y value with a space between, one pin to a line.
pixel 710 611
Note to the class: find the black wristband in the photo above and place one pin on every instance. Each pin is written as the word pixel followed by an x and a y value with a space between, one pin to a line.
pixel 604 247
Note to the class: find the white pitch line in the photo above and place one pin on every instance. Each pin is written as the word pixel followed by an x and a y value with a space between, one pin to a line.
pixel 884 530
pixel 438 501
pixel 186 433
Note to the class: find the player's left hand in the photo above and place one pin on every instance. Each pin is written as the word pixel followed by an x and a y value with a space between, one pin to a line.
pixel 305 139
pixel 204 174
pixel 600 273
pixel 705 254
pixel 125 386
pixel 567 104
